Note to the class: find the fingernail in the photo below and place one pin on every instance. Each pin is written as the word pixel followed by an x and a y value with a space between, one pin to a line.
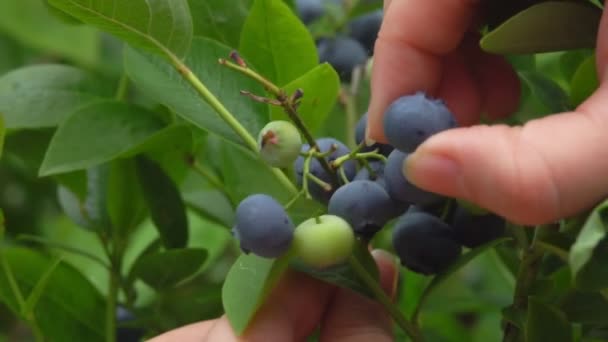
pixel 368 141
pixel 433 172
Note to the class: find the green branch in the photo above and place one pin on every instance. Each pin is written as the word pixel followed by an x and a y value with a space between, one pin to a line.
pixel 225 115
pixel 528 271
pixel 289 105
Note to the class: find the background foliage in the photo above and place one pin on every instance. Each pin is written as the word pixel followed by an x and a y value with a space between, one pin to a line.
pixel 119 178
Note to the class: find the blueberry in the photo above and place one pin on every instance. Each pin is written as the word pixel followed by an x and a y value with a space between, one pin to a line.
pixel 279 143
pixel 125 333
pixel 424 243
pixel 343 54
pixel 324 144
pixel 365 29
pixel 309 10
pixel 400 188
pixel 364 204
pixel 475 230
pixel 383 149
pixel 262 226
pixel 412 119
pixel 324 241
pixel 377 174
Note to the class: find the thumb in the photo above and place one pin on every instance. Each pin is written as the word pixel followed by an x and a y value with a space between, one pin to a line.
pixel 550 168
pixel 353 318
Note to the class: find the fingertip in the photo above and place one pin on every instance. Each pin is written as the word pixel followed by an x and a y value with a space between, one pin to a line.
pixel 388 266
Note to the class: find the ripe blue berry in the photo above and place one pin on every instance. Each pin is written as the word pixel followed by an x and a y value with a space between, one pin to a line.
pixel 474 230
pixel 400 188
pixel 377 174
pixel 424 243
pixel 365 29
pixel 309 10
pixel 279 143
pixel 383 149
pixel 364 204
pixel 263 227
pixel 343 54
pixel 127 333
pixel 324 144
pixel 324 242
pixel 412 119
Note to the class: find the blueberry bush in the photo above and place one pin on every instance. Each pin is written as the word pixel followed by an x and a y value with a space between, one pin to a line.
pixel 165 162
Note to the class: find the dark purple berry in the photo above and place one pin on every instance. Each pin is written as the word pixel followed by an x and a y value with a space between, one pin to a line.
pixel 412 119
pixel 424 243
pixel 263 227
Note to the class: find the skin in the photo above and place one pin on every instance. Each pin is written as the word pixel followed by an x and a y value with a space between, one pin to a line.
pixel 300 303
pixel 550 168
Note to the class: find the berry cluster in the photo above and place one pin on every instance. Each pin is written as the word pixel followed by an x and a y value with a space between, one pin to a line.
pixel 364 190
pixel 354 41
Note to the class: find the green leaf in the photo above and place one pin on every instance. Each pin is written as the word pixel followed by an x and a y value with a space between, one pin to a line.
pixel 125 201
pixel 164 203
pixel 593 276
pixel 69 309
pixel 219 19
pixel 73 207
pixel 13 54
pixel 546 323
pixel 546 91
pixel 38 290
pixel 247 285
pixel 277 43
pixel 212 204
pixel 96 202
pixel 592 233
pixel 166 269
pixel 162 26
pixel 546 27
pixel 570 61
pixel 343 275
pixel 31 23
pixel 2 228
pixel 162 82
pixel 109 129
pixel 585 307
pixel 90 210
pixel 44 95
pixel 365 7
pixel 245 174
pixel 584 81
pixel 2 134
pixel 457 265
pixel 321 87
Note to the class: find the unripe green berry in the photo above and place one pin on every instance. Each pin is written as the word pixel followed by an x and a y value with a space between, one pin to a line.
pixel 279 143
pixel 324 241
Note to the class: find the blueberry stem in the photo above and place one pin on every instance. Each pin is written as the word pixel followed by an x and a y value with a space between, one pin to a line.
pixel 294 199
pixel 382 297
pixel 224 113
pixel 343 175
pixel 326 186
pixel 289 104
pixel 206 174
pixel 528 270
pixel 305 174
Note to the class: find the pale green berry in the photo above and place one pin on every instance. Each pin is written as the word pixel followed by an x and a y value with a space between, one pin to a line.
pixel 323 242
pixel 279 143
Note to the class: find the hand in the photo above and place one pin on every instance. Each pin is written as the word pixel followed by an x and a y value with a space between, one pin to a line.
pixel 301 303
pixel 548 169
